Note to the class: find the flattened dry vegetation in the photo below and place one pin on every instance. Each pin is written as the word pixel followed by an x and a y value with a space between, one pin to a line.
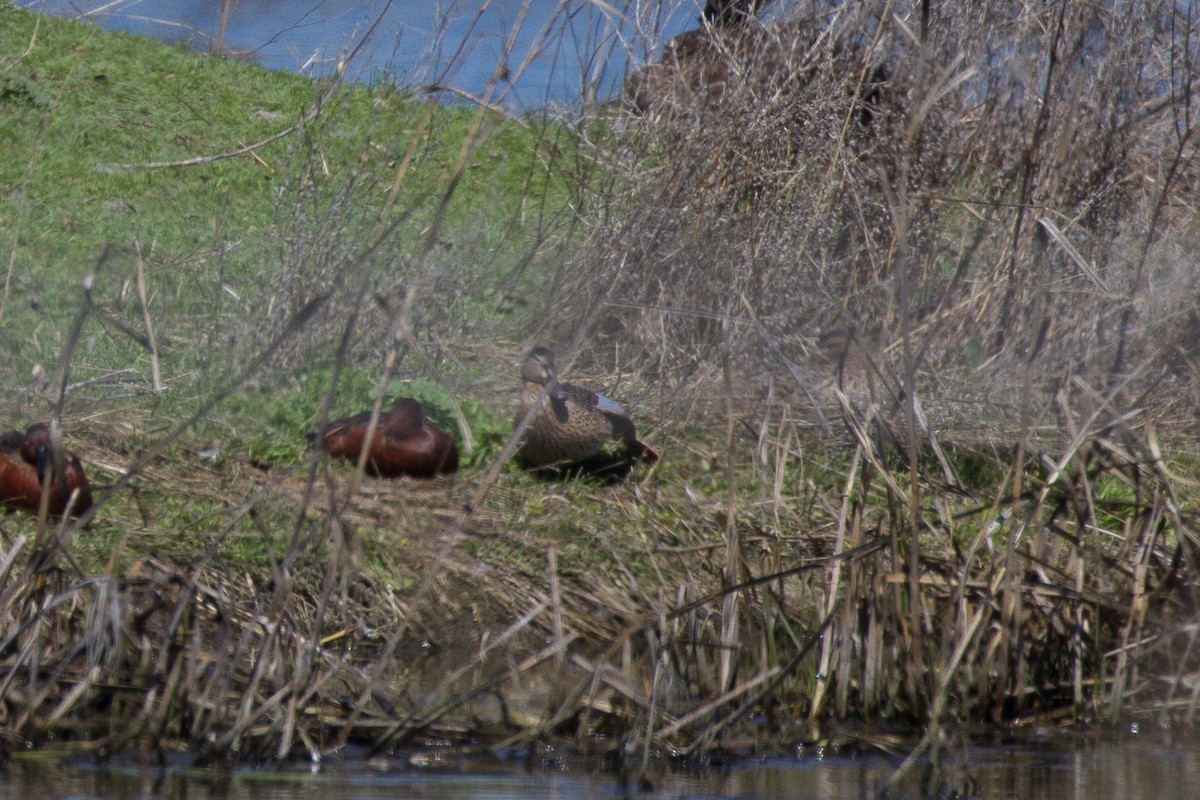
pixel 907 306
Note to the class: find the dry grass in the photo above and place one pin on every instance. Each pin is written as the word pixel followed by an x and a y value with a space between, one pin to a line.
pixel 925 387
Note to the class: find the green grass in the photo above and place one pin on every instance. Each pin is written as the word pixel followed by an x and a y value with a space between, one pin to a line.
pixel 219 242
pixel 113 98
pixel 77 101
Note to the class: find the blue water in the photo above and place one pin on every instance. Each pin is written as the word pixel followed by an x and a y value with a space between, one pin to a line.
pixel 556 52
pixel 1051 766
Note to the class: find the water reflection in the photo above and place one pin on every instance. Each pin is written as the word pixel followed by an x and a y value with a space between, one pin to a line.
pixel 28 781
pixel 574 48
pixel 1037 770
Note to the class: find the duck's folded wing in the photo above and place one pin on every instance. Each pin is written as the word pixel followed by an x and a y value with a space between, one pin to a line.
pixel 624 429
pixel 558 397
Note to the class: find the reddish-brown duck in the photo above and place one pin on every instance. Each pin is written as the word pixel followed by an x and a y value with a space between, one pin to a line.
pixel 405 442
pixel 24 460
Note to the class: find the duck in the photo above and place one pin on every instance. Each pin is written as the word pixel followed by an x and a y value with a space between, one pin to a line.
pixel 405 442
pixel 24 459
pixel 572 424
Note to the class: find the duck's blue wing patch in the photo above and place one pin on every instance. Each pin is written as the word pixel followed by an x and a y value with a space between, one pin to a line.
pixel 609 406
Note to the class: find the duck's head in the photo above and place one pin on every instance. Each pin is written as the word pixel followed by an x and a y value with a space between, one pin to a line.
pixel 406 414
pixel 539 366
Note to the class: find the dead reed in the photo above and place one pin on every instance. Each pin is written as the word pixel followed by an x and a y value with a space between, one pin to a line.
pixel 908 308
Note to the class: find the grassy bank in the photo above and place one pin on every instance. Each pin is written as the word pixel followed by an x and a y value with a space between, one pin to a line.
pixel 921 378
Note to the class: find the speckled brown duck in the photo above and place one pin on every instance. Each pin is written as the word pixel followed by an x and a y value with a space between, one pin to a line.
pixel 573 424
pixel 405 442
pixel 24 460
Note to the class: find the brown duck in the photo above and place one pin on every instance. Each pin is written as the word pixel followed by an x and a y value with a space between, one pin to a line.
pixel 405 442
pixel 573 424
pixel 24 459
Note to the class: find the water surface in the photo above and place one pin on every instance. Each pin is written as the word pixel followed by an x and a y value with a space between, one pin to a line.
pixel 575 49
pixel 1053 768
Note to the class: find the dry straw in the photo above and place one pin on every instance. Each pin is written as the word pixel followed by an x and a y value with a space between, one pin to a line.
pixel 912 293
